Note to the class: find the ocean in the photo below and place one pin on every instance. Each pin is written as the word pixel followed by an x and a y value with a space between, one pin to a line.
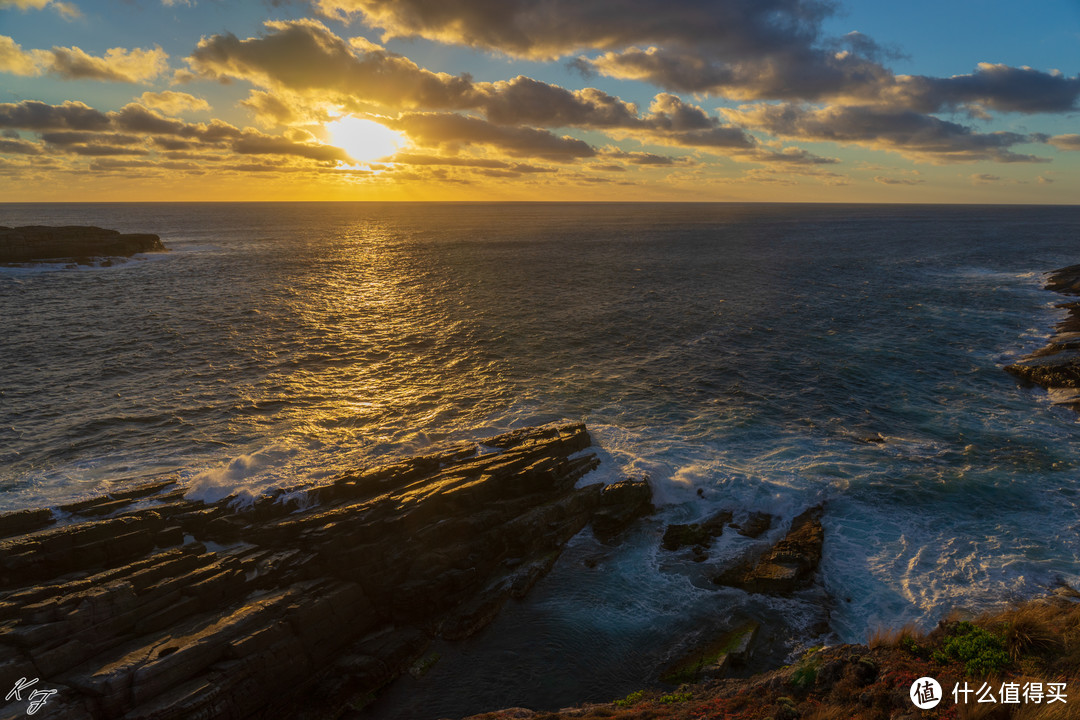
pixel 738 355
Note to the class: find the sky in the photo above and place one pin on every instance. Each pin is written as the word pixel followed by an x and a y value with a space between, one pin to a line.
pixel 632 100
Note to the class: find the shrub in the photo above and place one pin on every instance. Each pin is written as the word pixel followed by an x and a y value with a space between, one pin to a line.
pixel 632 699
pixel 981 651
pixel 676 697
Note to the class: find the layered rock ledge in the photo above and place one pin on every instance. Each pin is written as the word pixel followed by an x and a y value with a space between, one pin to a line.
pixel 1057 365
pixel 32 243
pixel 143 604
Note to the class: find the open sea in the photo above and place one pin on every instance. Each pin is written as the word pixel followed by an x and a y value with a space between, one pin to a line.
pixel 743 350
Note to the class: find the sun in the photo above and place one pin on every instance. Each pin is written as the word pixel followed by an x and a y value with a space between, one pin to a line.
pixel 364 140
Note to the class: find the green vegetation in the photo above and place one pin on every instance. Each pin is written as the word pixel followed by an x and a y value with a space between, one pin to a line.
pixel 805 674
pixel 981 651
pixel 676 697
pixel 632 699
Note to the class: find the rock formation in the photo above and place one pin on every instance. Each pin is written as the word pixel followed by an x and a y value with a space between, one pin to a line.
pixel 787 566
pixel 75 242
pixel 144 604
pixel 1057 365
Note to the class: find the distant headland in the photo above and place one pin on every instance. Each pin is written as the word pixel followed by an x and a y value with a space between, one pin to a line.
pixel 75 243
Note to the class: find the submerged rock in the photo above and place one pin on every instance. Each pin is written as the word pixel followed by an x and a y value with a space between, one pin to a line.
pixel 755 525
pixel 178 609
pixel 32 243
pixel 696 534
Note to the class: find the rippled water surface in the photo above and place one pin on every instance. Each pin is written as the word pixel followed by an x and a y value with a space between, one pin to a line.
pixel 743 350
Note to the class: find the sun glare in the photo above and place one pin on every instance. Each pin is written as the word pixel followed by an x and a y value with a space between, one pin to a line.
pixel 364 140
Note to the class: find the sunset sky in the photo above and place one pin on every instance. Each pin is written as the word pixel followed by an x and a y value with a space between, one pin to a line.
pixel 725 100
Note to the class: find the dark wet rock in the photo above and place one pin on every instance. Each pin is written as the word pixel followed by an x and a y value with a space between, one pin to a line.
pixel 1057 365
pixel 755 525
pixel 23 521
pixel 620 504
pixel 40 242
pixel 787 566
pixel 147 605
pixel 713 658
pixel 696 534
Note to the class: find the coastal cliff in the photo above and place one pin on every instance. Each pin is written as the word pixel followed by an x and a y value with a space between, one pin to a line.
pixel 32 243
pixel 143 604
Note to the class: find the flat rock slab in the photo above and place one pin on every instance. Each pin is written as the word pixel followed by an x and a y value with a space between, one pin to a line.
pixel 149 605
pixel 31 243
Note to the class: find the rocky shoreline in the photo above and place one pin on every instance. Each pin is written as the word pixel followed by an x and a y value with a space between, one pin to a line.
pixel 1056 366
pixel 143 604
pixel 73 243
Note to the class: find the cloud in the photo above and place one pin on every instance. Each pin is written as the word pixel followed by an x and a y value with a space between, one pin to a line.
pixel 770 49
pixel 897 181
pixel 304 56
pixel 799 72
pixel 418 159
pixel 910 133
pixel 78 138
pixel 117 65
pixel 450 130
pixel 994 86
pixel 19 147
pixel 75 128
pixel 256 143
pixel 311 73
pixel 548 29
pixel 34 115
pixel 14 60
pixel 524 100
pixel 68 10
pixel 173 102
pixel 1065 142
pixel 984 179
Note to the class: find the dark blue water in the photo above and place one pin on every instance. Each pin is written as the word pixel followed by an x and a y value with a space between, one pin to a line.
pixel 738 349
